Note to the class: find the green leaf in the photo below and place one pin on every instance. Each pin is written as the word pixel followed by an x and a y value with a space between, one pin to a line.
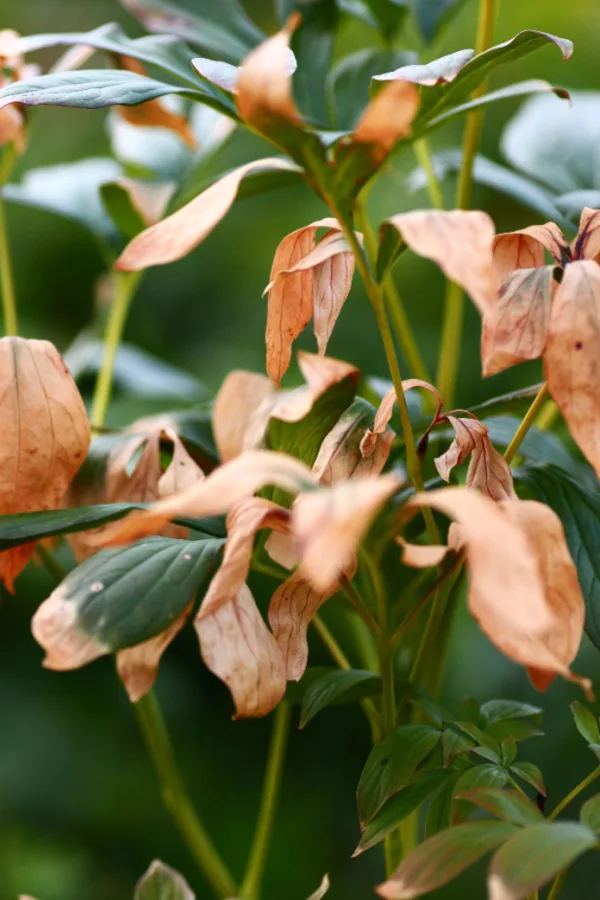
pixel 349 82
pixel 454 744
pixel 255 182
pixel 439 859
pixel 578 508
pixel 433 15
pixel 590 813
pixel 398 808
pixel 517 402
pixel 391 764
pixel 480 737
pixel 531 774
pixel 585 722
pixel 486 775
pixel 220 28
pixel 122 210
pixel 119 598
pixel 517 729
pixel 536 854
pixel 390 247
pixel 346 686
pixel 389 16
pixel 296 690
pixel 502 710
pixel 162 883
pixel 509 750
pixel 510 806
pixel 439 815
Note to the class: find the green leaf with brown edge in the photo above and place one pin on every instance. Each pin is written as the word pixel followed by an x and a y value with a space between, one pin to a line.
pixel 531 774
pixel 122 210
pixel 345 686
pixel 348 83
pixel 510 806
pixel 391 764
pixel 161 882
pixel 590 813
pixel 398 808
pixel 440 859
pixel 486 775
pixel 534 855
pixel 585 722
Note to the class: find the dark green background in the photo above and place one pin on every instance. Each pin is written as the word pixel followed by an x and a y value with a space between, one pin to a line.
pixel 80 817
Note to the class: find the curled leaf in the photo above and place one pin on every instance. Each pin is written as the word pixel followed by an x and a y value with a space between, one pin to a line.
pixel 489 472
pixel 587 242
pixel 524 249
pixel 340 454
pixel 468 434
pixel 239 396
pixel 386 407
pixel 438 71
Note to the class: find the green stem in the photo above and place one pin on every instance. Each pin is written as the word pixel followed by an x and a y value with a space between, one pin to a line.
pixel 412 616
pixel 54 567
pixel 450 349
pixel 9 303
pixel 425 655
pixel 528 420
pixel 359 605
pixel 557 885
pixel 250 889
pixel 424 159
pixel 574 793
pixel 176 799
pixel 127 283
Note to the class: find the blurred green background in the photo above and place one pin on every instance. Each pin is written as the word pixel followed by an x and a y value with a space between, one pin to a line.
pixel 80 816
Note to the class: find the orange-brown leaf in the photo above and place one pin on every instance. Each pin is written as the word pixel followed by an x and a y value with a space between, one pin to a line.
pixel 138 666
pixel 386 408
pixel 387 119
pixel 154 113
pixel 587 243
pixel 468 434
pixel 239 397
pixel 340 455
pixel 489 472
pixel 524 249
pixel 422 556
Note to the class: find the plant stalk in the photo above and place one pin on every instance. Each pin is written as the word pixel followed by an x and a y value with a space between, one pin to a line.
pixel 250 889
pixel 557 885
pixel 578 789
pixel 423 154
pixel 176 799
pixel 9 303
pixel 528 420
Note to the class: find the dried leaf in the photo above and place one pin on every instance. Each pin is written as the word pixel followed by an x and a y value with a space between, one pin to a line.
pixel 154 113
pixel 460 242
pixel 46 435
pixel 571 355
pixel 524 249
pixel 175 236
pixel 469 433
pixel 515 329
pixel 340 455
pixel 489 472
pixel 182 472
pixel 586 244
pixel 387 119
pixel 386 408
pixel 149 199
pixel 12 127
pixel 238 648
pixel 422 556
pixel 239 396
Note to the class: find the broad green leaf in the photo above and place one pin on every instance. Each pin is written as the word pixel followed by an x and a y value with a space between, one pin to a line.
pixel 501 710
pixel 590 813
pixel 480 737
pixel 530 773
pixel 220 28
pixel 296 690
pixel 162 883
pixel 517 729
pixel 486 775
pixel 391 764
pixel 398 808
pixel 439 815
pixel 440 859
pixel 349 82
pixel 312 44
pixel 433 15
pixel 578 508
pixel 517 402
pixel 509 750
pixel 119 598
pixel 534 855
pixel 346 686
pixel 585 722
pixel 510 806
pixel 389 15
pixel 453 744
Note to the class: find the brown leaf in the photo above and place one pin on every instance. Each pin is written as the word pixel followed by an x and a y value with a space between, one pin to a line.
pixel 387 119
pixel 469 432
pixel 182 472
pixel 222 489
pixel 422 556
pixel 138 666
pixel 238 648
pixel 46 435
pixel 524 249
pixel 386 408
pixel 56 628
pixel 515 329
pixel 175 236
pixel 489 472
pixel 239 396
pixel 571 355
pixel 12 127
pixel 154 113
pixel 460 242
pixel 329 524
pixel 340 456
pixel 587 242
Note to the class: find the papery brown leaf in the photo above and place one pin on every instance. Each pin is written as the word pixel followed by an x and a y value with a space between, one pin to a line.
pixel 238 648
pixel 587 243
pixel 46 435
pixel 137 666
pixel 148 198
pixel 12 127
pixel 238 398
pixel 386 408
pixel 489 472
pixel 524 249
pixel 56 628
pixel 340 456
pixel 329 524
pixel 177 234
pixel 460 242
pixel 182 472
pixel 572 354
pixel 563 594
pixel 154 113
pixel 291 610
pixel 387 119
pixel 226 486
pixel 422 556
pixel 469 432
pixel 515 329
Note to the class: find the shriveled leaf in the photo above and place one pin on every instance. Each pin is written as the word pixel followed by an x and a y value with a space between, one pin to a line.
pixel 321 890
pixel 137 666
pixel 238 398
pixel 386 408
pixel 121 598
pixel 585 722
pixel 441 858
pixel 439 71
pixel 391 765
pixel 590 813
pixel 422 556
pixel 161 882
pixel 346 686
pixel 488 472
pixel 571 355
pixel 534 855
pixel 238 648
pixel 510 806
pixel 469 433
pixel 180 232
pixel 340 456
pixel 349 81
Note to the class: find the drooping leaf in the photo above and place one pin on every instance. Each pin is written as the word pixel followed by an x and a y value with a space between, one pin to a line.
pixel 510 806
pixel 590 813
pixel 341 453
pixel 391 764
pixel 349 81
pixel 441 858
pixel 534 855
pixel 240 395
pixel 585 722
pixel 338 687
pixel 162 883
pixel 531 774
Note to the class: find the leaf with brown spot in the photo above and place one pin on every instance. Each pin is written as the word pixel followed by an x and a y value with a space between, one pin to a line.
pixel 238 648
pixel 154 113
pixel 515 329
pixel 386 408
pixel 572 353
pixel 586 244
pixel 46 435
pixel 524 249
pixel 179 233
pixel 238 398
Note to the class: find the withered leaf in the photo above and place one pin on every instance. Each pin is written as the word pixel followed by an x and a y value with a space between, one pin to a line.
pixel 422 556
pixel 386 408
pixel 571 355
pixel 524 249
pixel 489 472
pixel 469 433
pixel 238 648
pixel 154 113
pixel 340 456
pixel 387 119
pixel 586 244
pixel 238 398
pixel 46 435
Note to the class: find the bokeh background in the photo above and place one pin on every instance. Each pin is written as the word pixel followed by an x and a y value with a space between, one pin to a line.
pixel 80 816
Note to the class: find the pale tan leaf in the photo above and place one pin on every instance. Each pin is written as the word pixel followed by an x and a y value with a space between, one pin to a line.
pixel 332 283
pixel 154 113
pixel 422 556
pixel 387 119
pixel 45 438
pixel 460 242
pixel 138 666
pixel 239 396
pixel 12 127
pixel 515 329
pixel 182 472
pixel 238 648
pixel 222 489
pixel 329 524
pixel 572 355
pixel 56 628
pixel 489 472
pixel 524 249
pixel 162 879
pixel 175 236
pixel 386 408
pixel 321 890
pixel 469 433
pixel 282 549
pixel 148 198
pixel 340 455
pixel 586 244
